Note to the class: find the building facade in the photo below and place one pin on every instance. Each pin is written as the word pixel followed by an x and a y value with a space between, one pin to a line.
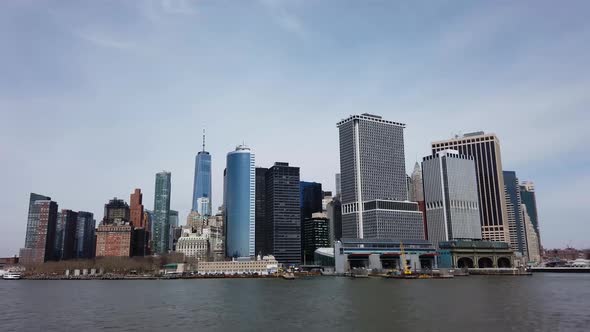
pixel 40 237
pixel 283 213
pixel 265 266
pixel 261 246
pixel 416 192
pixel 373 181
pixel 136 209
pixel 161 221
pixel 239 203
pixel 516 226
pixel 69 220
pixel 114 235
pixel 316 234
pixel 202 183
pixel 194 245
pixel 485 150
pixel 533 247
pixel 528 198
pixel 32 220
pixel 311 198
pixel 334 214
pixel 85 231
pixel 450 194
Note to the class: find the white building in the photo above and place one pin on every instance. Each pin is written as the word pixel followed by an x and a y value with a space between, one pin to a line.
pixel 265 266
pixel 193 245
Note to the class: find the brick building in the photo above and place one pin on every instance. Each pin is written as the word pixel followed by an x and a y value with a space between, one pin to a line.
pixel 114 241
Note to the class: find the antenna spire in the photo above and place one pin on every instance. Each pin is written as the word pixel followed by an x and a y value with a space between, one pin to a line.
pixel 203 139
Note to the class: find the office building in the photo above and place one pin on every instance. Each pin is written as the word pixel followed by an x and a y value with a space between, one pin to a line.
pixel 450 194
pixel 214 231
pixel 58 242
pixel 316 234
pixel 485 150
pixel 373 181
pixel 416 193
pixel 141 234
pixel 85 231
pixel 239 203
pixel 193 245
pixel 533 247
pixel 69 220
pixel 265 266
pixel 311 198
pixel 261 246
pixel 283 213
pixel 202 183
pixel 161 222
pixel 338 186
pixel 175 231
pixel 40 237
pixel 334 214
pixel 114 235
pixel 527 196
pixel 116 211
pixel 136 209
pixel 516 226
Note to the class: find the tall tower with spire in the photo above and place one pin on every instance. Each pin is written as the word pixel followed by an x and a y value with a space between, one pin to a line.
pixel 202 184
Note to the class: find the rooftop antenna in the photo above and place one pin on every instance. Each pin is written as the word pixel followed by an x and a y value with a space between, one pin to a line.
pixel 203 139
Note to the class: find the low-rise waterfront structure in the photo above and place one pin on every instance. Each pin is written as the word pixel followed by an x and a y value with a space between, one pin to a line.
pixel 265 266
pixel 475 254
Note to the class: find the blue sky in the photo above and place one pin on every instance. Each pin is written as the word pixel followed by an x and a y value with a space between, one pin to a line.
pixel 98 96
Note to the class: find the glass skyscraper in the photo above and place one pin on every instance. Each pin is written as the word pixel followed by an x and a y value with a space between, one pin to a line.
pixel 161 222
pixel 85 229
pixel 239 203
pixel 202 184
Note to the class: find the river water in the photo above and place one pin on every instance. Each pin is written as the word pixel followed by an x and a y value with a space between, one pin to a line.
pixel 543 302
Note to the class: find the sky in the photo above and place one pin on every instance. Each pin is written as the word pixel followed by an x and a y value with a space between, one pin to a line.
pixel 98 96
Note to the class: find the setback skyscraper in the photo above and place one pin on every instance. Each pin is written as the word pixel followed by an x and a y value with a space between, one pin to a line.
pixel 239 203
pixel 161 222
pixel 114 236
pixel 516 226
pixel 40 237
pixel 373 181
pixel 31 234
pixel 527 195
pixel 283 213
pixel 485 150
pixel 450 194
pixel 202 184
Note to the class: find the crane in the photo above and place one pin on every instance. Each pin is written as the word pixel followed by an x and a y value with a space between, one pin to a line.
pixel 406 269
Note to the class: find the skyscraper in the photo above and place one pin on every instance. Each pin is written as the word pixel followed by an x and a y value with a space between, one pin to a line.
pixel 450 194
pixel 373 181
pixel 338 184
pixel 316 234
pixel 161 227
pixel 202 184
pixel 311 198
pixel 173 221
pixel 485 150
pixel 85 231
pixel 533 246
pixel 527 195
pixel 69 221
pixel 136 208
pixel 417 192
pixel 114 236
pixel 261 246
pixel 40 237
pixel 239 203
pixel 516 226
pixel 283 213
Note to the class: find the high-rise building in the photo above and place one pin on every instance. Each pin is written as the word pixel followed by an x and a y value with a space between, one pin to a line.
pixel 311 198
pixel 239 203
pixel 373 181
pixel 85 230
pixel 136 208
pixel 173 222
pixel 40 237
pixel 527 195
pixel 114 236
pixel 334 213
pixel 31 234
pixel 485 150
pixel 202 184
pixel 58 242
pixel 283 213
pixel 450 194
pixel 116 211
pixel 316 234
pixel 338 185
pixel 533 247
pixel 261 246
pixel 516 226
pixel 416 190
pixel 69 221
pixel 161 222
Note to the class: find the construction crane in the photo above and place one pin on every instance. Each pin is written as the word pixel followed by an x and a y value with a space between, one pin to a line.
pixel 406 269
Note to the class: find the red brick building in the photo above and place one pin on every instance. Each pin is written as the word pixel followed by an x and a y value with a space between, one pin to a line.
pixel 137 217
pixel 114 241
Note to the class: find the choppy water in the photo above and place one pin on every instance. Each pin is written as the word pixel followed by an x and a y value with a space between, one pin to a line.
pixel 543 302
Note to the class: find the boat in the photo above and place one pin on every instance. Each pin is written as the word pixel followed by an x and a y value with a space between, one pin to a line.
pixel 12 276
pixel 359 273
pixel 288 276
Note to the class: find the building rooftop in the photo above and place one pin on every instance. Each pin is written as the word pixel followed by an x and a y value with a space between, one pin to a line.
pixel 370 117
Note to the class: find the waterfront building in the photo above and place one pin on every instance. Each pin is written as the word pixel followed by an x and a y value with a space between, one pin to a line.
pixel 527 195
pixel 373 181
pixel 311 196
pixel 202 183
pixel 40 237
pixel 485 150
pixel 114 236
pixel 381 254
pixel 416 189
pixel 283 213
pixel 334 214
pixel 69 220
pixel 266 266
pixel 316 234
pixel 475 254
pixel 239 203
pixel 532 240
pixel 193 245
pixel 516 226
pixel 261 246
pixel 32 220
pixel 450 194
pixel 136 209
pixel 85 232
pixel 161 221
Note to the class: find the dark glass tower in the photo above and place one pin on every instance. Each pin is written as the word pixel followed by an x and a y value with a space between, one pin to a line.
pixel 161 222
pixel 85 230
pixel 261 246
pixel 516 226
pixel 283 213
pixel 311 198
pixel 202 184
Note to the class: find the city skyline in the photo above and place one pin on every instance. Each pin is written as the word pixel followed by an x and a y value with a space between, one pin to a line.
pixel 541 109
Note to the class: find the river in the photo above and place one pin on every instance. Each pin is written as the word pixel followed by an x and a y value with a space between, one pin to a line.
pixel 542 302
